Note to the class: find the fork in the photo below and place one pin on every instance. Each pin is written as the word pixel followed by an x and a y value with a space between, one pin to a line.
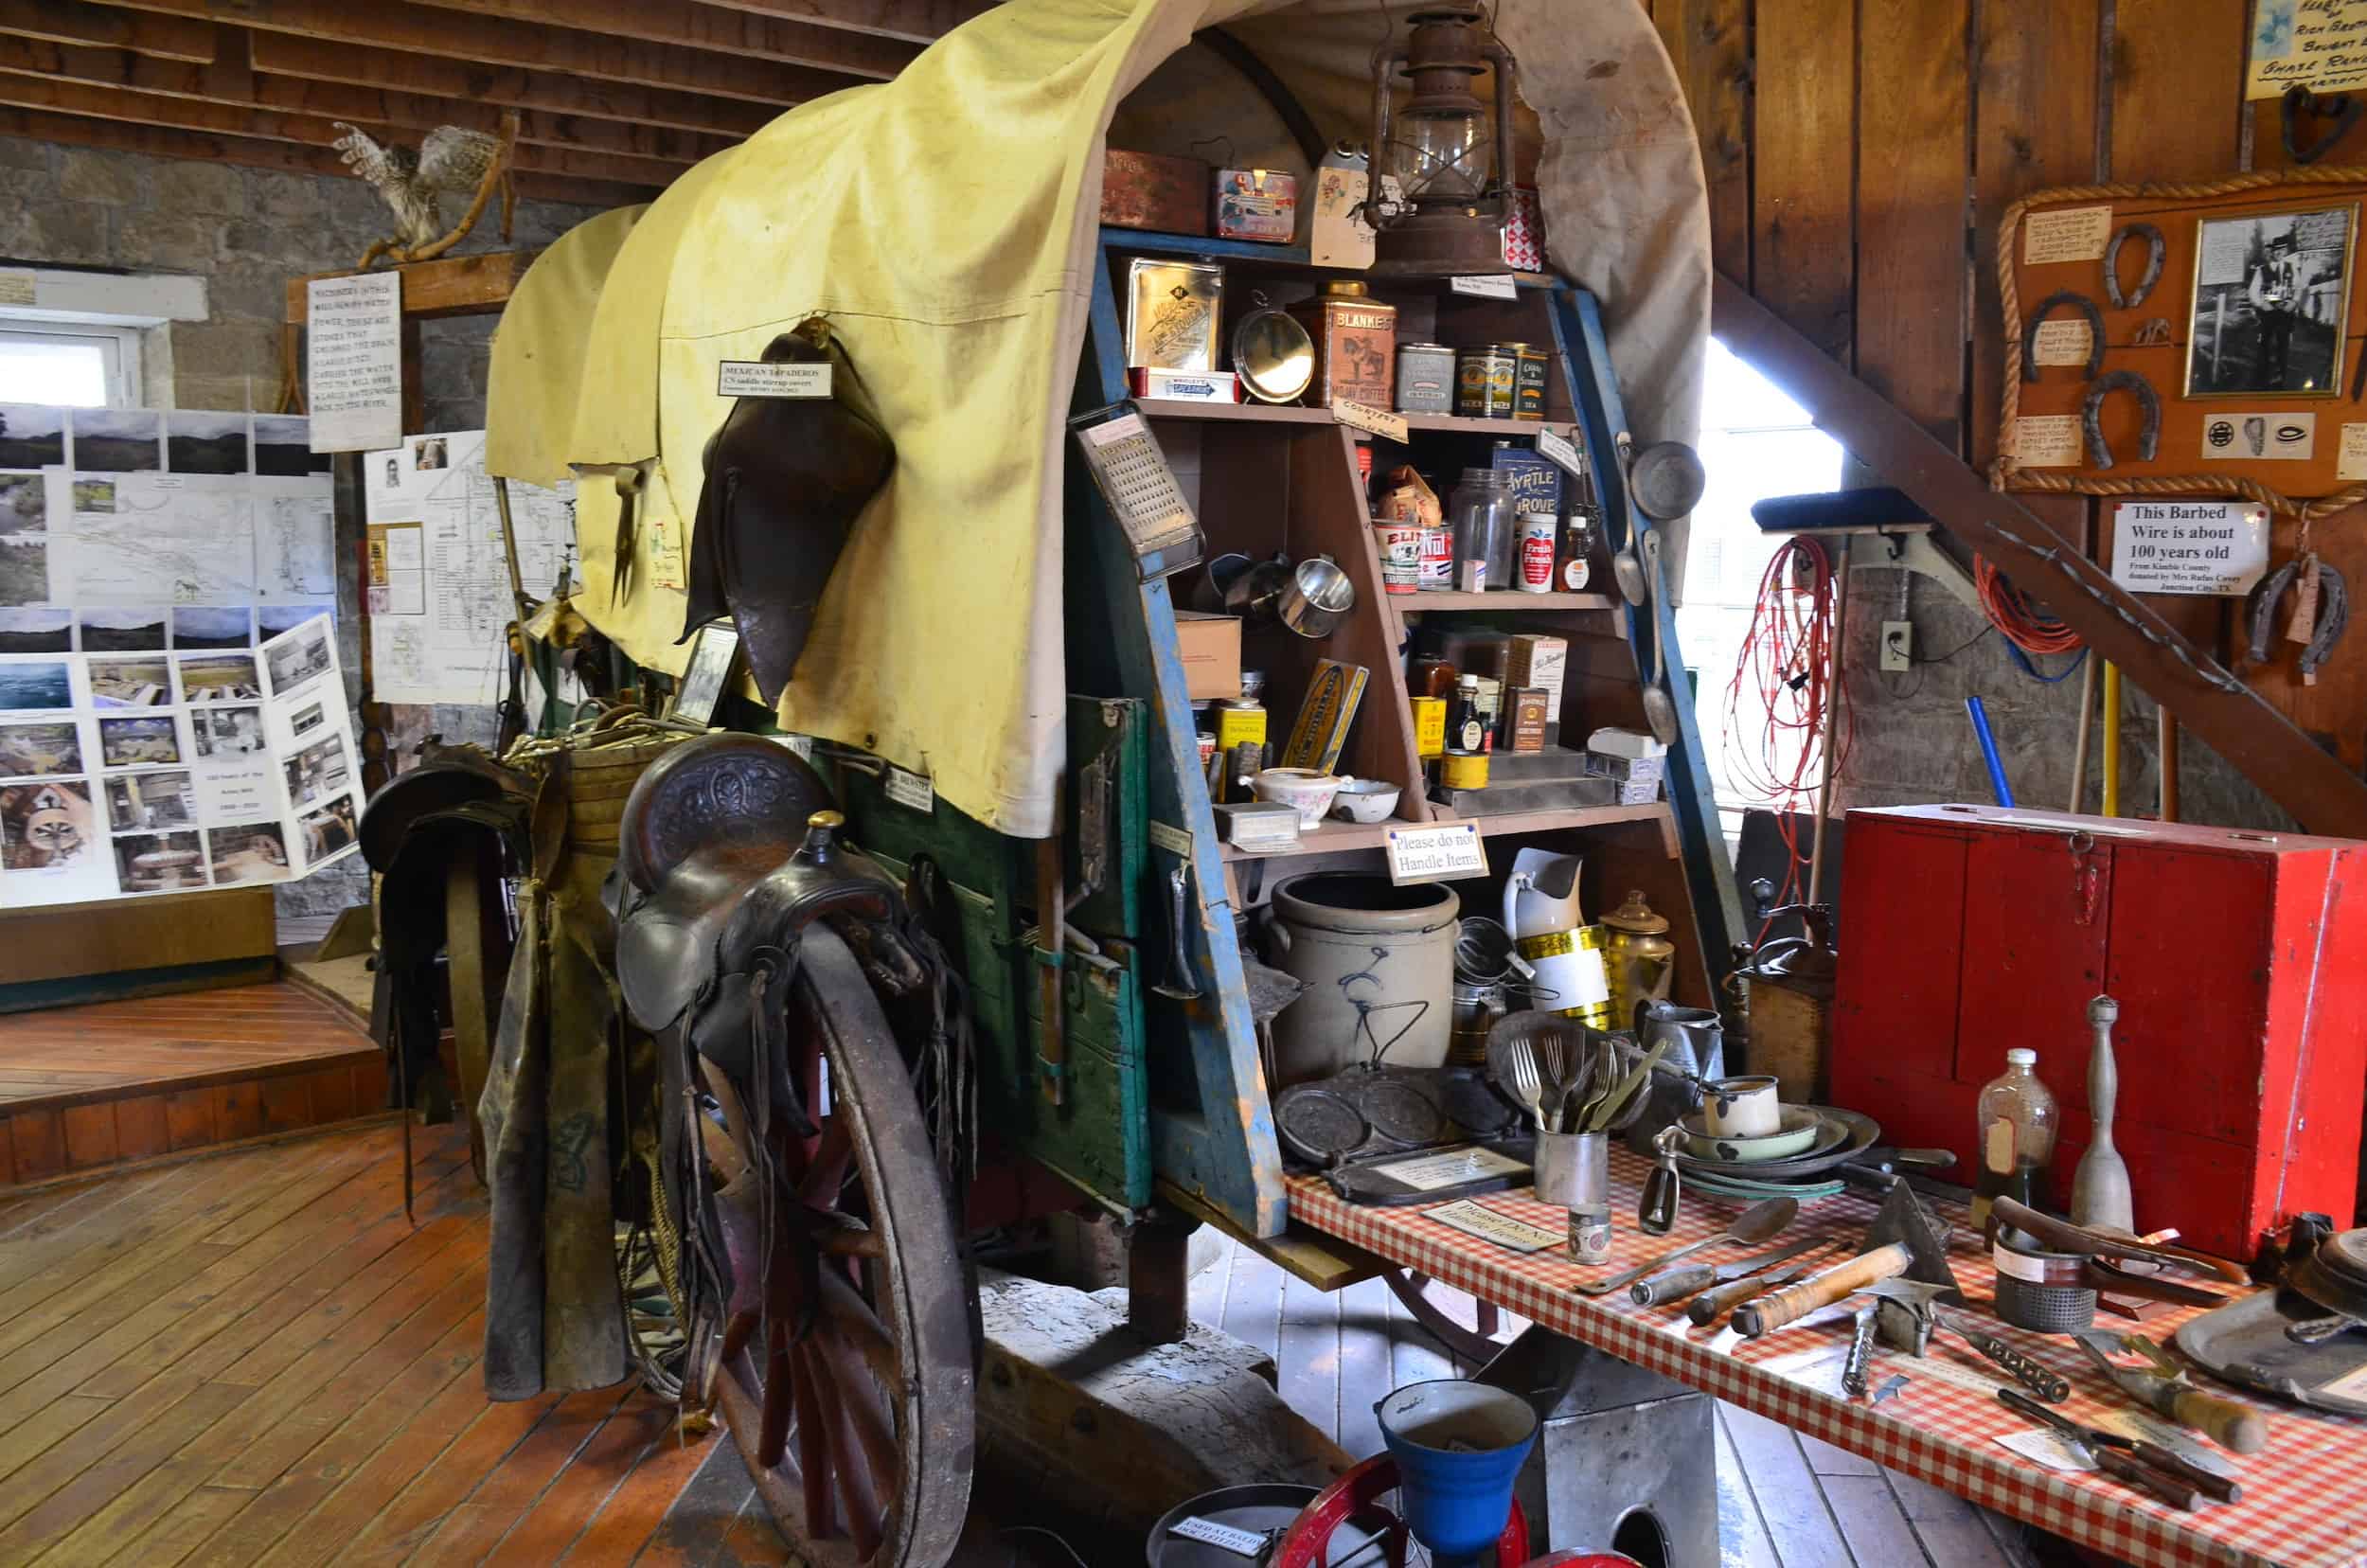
pixel 1520 1061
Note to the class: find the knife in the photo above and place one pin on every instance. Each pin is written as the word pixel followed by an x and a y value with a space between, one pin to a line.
pixel 2143 1465
pixel 1704 1309
pixel 1683 1280
pixel 2236 1427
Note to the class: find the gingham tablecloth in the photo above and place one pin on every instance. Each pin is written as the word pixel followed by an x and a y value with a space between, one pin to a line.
pixel 2305 1496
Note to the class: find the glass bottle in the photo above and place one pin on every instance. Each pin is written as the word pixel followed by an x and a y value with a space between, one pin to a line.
pixel 1466 729
pixel 2016 1119
pixel 1480 513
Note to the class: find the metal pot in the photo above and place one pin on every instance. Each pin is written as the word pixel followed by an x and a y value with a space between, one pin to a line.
pixel 1254 593
pixel 1317 598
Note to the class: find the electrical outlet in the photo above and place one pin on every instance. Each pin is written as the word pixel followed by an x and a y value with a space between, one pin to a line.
pixel 1898 645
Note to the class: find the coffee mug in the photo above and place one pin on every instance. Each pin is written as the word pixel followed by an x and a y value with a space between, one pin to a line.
pixel 1742 1108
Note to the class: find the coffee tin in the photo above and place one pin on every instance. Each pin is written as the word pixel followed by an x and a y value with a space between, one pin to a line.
pixel 1400 556
pixel 1464 770
pixel 1426 373
pixel 1356 343
pixel 1483 382
pixel 1430 726
pixel 1528 379
pixel 1533 569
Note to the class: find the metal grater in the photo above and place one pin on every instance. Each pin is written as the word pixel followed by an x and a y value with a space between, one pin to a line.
pixel 1140 489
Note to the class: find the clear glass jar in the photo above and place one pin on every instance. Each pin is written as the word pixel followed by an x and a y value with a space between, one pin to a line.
pixel 2017 1120
pixel 1480 513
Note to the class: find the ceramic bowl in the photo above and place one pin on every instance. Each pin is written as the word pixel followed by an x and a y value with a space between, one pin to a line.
pixel 1303 790
pixel 1366 800
pixel 1800 1125
pixel 1742 1107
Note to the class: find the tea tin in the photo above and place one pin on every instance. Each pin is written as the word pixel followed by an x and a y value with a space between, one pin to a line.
pixel 1426 373
pixel 1528 379
pixel 1483 382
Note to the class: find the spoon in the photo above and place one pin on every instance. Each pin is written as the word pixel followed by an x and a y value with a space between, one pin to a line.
pixel 1660 709
pixel 1627 572
pixel 1759 1221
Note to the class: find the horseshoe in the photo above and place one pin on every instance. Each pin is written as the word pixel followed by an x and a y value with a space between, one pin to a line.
pixel 2095 332
pixel 2155 248
pixel 2299 101
pixel 2092 410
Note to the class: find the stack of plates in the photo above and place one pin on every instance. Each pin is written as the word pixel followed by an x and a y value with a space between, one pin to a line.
pixel 1813 1139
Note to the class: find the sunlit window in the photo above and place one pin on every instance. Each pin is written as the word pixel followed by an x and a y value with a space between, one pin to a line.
pixel 73 369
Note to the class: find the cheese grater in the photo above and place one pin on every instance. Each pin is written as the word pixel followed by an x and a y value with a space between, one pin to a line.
pixel 1140 489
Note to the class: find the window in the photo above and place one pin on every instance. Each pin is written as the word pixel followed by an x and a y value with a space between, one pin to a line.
pixel 79 367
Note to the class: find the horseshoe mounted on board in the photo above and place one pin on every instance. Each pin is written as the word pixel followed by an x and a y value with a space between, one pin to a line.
pixel 2156 249
pixel 2341 107
pixel 2095 332
pixel 2091 416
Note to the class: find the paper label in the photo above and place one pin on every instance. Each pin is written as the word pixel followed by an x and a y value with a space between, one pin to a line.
pixel 1364 416
pixel 1487 286
pixel 16 287
pixel 2047 440
pixel 801 744
pixel 2050 1448
pixel 1439 853
pixel 2061 340
pixel 1240 1542
pixel 1560 451
pixel 2073 234
pixel 2316 45
pixel 758 378
pixel 1450 1168
pixel 2350 1385
pixel 1175 841
pixel 1476 1219
pixel 910 789
pixel 354 360
pixel 2019 1266
pixel 2266 436
pixel 2351 460
pixel 2189 546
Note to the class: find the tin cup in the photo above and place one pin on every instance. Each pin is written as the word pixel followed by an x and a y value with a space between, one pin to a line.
pixel 1574 1169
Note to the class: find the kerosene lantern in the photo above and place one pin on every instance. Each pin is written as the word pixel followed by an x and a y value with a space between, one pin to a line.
pixel 1447 159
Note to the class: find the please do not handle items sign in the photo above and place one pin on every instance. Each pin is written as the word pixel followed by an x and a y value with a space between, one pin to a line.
pixel 2189 546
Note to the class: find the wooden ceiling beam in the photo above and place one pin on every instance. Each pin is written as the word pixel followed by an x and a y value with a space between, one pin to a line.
pixel 562 97
pixel 784 37
pixel 66 21
pixel 499 42
pixel 919 20
pixel 228 81
pixel 294 157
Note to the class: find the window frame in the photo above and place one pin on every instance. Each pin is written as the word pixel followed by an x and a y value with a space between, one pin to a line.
pixel 121 345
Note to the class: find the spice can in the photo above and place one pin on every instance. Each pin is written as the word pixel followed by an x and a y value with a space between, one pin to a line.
pixel 1437 561
pixel 1239 720
pixel 1528 379
pixel 1463 770
pixel 1533 569
pixel 1400 556
pixel 1426 378
pixel 1430 726
pixel 1484 381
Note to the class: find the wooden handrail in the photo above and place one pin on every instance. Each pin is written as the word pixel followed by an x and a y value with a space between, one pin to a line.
pixel 2235 720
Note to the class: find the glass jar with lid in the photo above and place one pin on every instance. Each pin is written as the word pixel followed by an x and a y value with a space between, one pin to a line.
pixel 1480 511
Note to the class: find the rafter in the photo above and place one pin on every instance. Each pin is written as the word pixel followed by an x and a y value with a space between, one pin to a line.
pixel 922 21
pixel 64 22
pixel 757 35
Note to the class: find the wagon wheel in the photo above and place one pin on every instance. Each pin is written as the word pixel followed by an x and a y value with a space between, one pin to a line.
pixel 1468 1347
pixel 852 1404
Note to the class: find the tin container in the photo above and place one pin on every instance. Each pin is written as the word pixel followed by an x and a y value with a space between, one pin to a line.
pixel 1430 726
pixel 1152 190
pixel 1400 547
pixel 1207 748
pixel 1528 379
pixel 1437 561
pixel 1240 719
pixel 1425 378
pixel 1257 204
pixel 1356 344
pixel 1171 312
pixel 1463 770
pixel 1525 731
pixel 1483 382
pixel 1534 537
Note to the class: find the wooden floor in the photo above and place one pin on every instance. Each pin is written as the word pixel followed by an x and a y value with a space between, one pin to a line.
pixel 82 1088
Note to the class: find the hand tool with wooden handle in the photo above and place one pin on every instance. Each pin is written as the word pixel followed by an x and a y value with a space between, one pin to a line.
pixel 2125 1468
pixel 1678 1283
pixel 1718 1300
pixel 1793 1302
pixel 2098 1439
pixel 1758 1223
pixel 2235 1427
pixel 2065 1237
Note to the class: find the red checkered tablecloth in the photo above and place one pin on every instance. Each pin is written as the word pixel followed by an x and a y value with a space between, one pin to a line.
pixel 2305 1496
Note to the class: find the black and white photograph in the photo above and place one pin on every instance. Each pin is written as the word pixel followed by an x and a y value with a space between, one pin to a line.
pixel 23 503
pixel 35 750
pixel 31 436
pixel 131 683
pixel 160 862
pixel 24 569
pixel 250 852
pixel 151 801
pixel 703 678
pixel 137 742
pixel 283 447
pixel 30 684
pixel 117 441
pixel 298 660
pixel 46 827
pixel 307 719
pixel 133 631
pixel 206 444
pixel 316 770
pixel 222 734
pixel 2272 296
pixel 219 678
pixel 328 830
pixel 43 629
pixel 273 619
pixel 195 626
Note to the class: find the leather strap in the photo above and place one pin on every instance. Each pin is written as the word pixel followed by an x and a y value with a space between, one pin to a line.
pixel 473 1006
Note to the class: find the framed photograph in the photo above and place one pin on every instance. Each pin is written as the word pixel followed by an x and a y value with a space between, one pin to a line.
pixel 2272 293
pixel 712 654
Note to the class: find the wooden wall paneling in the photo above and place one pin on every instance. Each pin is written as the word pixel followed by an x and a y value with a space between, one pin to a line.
pixel 90 1135
pixel 141 1129
pixel 1709 42
pixel 329 1091
pixel 238 1110
pixel 66 22
pixel 1803 172
pixel 784 36
pixel 39 1138
pixel 287 1105
pixel 189 1118
pixel 1914 159
pixel 8 1153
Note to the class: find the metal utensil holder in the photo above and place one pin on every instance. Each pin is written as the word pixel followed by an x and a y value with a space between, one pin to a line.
pixel 1574 1169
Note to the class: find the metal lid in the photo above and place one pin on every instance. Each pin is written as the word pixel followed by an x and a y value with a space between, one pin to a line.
pixel 1345 287
pixel 1273 355
pixel 1519 347
pixel 1430 347
pixel 1637 916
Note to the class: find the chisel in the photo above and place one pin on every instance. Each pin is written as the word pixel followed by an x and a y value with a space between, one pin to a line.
pixel 1679 1282
pixel 1726 1294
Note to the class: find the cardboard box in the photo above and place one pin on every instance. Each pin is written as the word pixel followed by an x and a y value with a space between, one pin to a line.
pixel 1534 659
pixel 1212 653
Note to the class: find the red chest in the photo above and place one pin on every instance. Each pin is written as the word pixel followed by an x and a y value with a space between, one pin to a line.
pixel 2239 960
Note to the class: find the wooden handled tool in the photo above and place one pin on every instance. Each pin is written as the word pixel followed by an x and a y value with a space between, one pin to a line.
pixel 1793 1302
pixel 2125 1467
pixel 2238 1428
pixel 2066 1236
pixel 1715 1302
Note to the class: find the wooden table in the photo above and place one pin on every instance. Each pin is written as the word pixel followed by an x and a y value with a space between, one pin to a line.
pixel 2303 1504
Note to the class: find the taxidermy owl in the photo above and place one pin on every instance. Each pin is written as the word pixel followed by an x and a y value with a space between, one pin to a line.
pixel 449 159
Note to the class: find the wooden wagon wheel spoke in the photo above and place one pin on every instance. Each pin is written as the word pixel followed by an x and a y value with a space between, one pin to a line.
pixel 813 1457
pixel 859 1398
pixel 772 1429
pixel 857 1504
pixel 852 1243
pixel 826 1173
pixel 851 1322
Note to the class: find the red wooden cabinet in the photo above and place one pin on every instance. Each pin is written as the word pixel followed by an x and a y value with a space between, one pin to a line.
pixel 2239 960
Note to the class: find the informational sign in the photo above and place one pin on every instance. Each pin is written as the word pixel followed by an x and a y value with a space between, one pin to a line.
pixel 1473 1218
pixel 1378 421
pixel 354 360
pixel 2322 45
pixel 1452 1167
pixel 1175 841
pixel 438 586
pixel 2189 546
pixel 1486 285
pixel 758 378
pixel 2070 234
pixel 1244 1543
pixel 2064 340
pixel 1441 852
pixel 1555 447
pixel 910 789
pixel 2047 441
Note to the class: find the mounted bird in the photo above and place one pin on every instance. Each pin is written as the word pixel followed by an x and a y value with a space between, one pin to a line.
pixel 411 183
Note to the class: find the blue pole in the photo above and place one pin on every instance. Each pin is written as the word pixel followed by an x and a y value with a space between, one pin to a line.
pixel 2004 791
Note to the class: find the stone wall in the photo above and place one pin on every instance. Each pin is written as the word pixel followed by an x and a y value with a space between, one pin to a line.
pixel 247 231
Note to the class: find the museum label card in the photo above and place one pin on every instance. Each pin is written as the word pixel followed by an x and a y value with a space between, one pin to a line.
pixel 2061 340
pixel 2189 546
pixel 760 378
pixel 1476 1219
pixel 1440 853
pixel 2072 234
pixel 354 360
pixel 2047 440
